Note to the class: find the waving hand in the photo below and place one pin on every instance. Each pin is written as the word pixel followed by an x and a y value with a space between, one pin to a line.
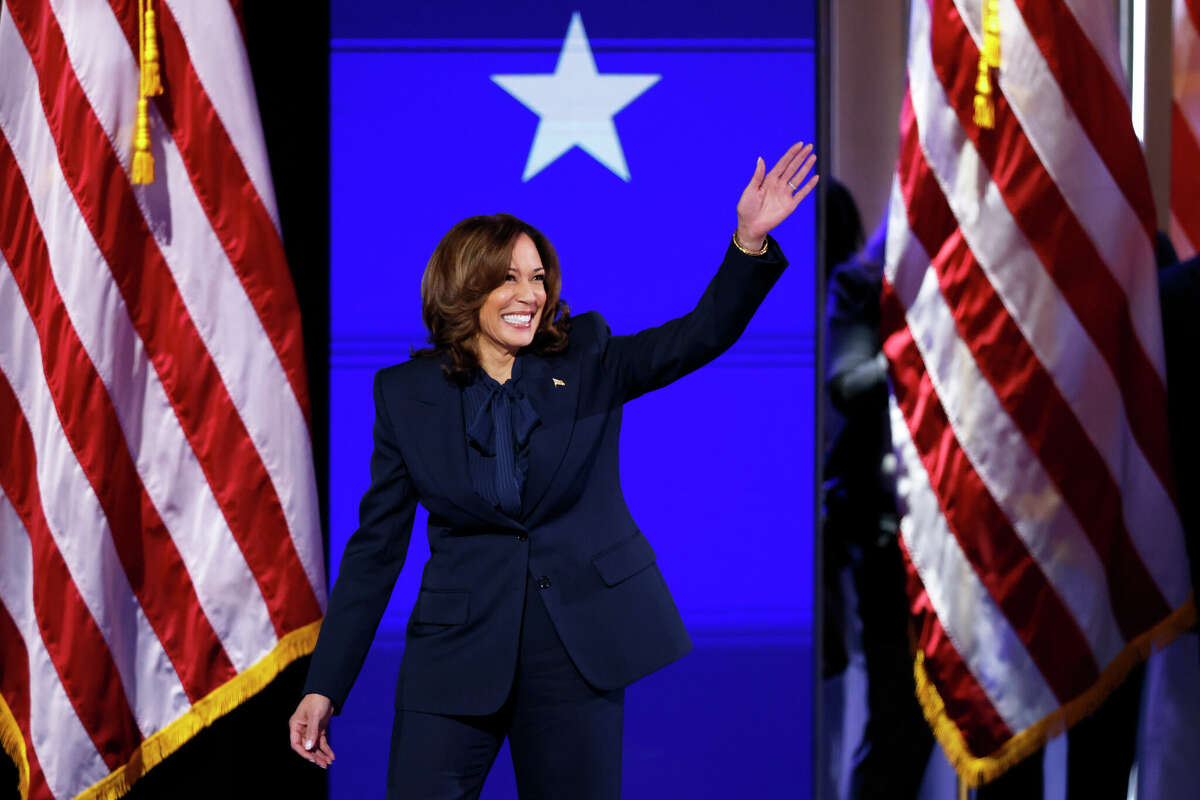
pixel 772 196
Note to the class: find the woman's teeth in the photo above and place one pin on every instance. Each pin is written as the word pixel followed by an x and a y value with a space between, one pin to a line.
pixel 517 319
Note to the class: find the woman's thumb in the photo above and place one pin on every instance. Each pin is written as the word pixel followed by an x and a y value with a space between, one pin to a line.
pixel 310 729
pixel 760 169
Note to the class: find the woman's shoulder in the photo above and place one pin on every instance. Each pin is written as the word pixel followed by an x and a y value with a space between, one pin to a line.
pixel 587 330
pixel 411 374
pixel 586 333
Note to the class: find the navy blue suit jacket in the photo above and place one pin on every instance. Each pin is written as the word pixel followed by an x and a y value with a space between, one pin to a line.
pixel 603 591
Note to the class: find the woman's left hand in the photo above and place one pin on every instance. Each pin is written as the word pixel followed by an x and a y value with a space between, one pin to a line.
pixel 772 196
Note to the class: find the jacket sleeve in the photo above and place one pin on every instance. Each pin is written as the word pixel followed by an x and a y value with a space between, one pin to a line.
pixel 651 359
pixel 369 567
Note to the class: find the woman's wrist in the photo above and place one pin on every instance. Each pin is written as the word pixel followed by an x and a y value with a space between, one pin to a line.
pixel 751 244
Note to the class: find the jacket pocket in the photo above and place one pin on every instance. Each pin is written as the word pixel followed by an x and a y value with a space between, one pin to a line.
pixel 624 560
pixel 442 608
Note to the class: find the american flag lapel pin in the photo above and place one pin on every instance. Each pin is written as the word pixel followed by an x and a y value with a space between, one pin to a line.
pixel 558 382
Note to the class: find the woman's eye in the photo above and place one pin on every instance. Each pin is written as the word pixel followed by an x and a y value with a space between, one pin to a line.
pixel 510 277
pixel 541 276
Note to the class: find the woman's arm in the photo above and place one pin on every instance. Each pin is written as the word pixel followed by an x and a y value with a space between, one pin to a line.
pixel 370 565
pixel 653 358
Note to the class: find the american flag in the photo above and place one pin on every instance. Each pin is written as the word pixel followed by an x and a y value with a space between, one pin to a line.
pixel 1185 131
pixel 1021 322
pixel 160 552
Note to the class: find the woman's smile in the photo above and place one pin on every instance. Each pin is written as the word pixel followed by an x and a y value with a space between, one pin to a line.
pixel 510 315
pixel 517 320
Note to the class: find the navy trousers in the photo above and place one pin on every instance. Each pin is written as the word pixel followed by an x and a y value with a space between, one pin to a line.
pixel 564 735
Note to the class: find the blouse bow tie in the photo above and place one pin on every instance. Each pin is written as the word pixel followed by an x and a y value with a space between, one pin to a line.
pixel 503 425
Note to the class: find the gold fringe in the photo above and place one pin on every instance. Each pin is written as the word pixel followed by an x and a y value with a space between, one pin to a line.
pixel 975 771
pixel 206 711
pixel 14 744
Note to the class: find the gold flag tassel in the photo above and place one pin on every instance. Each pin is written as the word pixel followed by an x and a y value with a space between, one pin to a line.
pixel 149 85
pixel 151 81
pixel 989 59
pixel 143 162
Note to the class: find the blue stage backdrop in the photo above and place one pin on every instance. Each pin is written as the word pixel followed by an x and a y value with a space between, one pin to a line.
pixel 628 148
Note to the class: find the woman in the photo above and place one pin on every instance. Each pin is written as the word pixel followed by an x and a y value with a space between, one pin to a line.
pixel 541 600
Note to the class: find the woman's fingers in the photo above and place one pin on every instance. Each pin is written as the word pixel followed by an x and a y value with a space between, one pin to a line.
pixel 307 730
pixel 795 166
pixel 801 169
pixel 804 190
pixel 324 749
pixel 772 197
pixel 313 725
pixel 315 741
pixel 781 166
pixel 321 754
pixel 301 736
pixel 295 731
pixel 797 178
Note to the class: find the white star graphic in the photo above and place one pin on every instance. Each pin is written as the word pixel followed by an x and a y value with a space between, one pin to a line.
pixel 576 105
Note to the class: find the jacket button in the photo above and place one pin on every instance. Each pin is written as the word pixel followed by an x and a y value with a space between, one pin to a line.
pixel 543 582
pixel 522 536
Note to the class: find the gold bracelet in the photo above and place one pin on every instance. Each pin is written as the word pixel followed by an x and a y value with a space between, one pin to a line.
pixel 739 246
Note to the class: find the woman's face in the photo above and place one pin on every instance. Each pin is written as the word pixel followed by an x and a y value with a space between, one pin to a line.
pixel 510 314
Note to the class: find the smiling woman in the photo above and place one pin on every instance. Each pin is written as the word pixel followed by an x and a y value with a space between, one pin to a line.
pixel 542 600
pixel 492 287
pixel 511 313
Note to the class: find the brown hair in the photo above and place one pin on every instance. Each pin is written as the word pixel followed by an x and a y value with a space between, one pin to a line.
pixel 470 261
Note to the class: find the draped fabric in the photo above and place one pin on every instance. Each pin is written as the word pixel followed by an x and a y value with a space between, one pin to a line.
pixel 499 420
pixel 160 546
pixel 1020 318
pixel 1185 130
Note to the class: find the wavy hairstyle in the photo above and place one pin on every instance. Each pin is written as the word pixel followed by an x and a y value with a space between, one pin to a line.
pixel 470 261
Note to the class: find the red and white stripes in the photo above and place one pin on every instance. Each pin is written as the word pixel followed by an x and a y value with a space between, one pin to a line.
pixel 1185 131
pixel 1021 324
pixel 159 532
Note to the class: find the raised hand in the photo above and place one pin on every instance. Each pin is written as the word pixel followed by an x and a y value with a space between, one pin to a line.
pixel 307 729
pixel 772 196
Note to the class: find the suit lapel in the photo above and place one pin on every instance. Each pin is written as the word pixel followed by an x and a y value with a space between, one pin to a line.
pixel 442 446
pixel 553 391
